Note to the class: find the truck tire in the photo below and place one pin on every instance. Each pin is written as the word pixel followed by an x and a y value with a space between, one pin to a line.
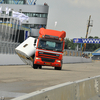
pixel 35 66
pixel 59 68
pixel 40 67
pixel 56 68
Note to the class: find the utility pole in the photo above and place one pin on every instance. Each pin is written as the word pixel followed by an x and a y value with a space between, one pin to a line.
pixel 89 25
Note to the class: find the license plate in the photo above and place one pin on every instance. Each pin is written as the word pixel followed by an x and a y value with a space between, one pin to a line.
pixel 47 63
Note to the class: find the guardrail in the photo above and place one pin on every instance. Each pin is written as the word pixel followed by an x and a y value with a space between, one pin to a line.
pixel 87 89
pixel 9 48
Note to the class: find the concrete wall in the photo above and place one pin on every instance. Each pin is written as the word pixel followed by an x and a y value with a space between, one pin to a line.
pixel 14 59
pixel 73 59
pixel 10 59
pixel 87 89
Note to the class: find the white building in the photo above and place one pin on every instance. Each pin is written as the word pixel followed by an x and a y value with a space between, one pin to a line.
pixel 37 13
pixel 9 39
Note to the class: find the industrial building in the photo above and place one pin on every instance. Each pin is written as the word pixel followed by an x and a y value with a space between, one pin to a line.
pixel 37 13
pixel 10 37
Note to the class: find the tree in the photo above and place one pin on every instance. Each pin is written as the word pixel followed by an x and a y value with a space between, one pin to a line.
pixel 92 47
pixel 70 44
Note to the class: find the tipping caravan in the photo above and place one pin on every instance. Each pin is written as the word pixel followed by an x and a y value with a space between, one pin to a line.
pixel 46 50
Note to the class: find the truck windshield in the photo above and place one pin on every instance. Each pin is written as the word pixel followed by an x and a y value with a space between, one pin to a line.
pixel 50 45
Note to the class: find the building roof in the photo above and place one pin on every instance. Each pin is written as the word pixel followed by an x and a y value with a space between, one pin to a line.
pixel 96 52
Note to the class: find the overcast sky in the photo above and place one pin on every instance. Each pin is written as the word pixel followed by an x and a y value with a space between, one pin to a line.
pixel 72 16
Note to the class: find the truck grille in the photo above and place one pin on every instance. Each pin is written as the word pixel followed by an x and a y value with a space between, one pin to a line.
pixel 48 55
pixel 48 60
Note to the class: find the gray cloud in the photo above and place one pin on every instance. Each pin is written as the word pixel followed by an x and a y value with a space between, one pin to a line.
pixel 72 16
pixel 85 3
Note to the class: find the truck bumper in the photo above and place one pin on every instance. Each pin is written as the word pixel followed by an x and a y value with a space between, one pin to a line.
pixel 39 61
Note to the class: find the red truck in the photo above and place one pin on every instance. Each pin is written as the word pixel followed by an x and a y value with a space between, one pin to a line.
pixel 46 50
pixel 49 51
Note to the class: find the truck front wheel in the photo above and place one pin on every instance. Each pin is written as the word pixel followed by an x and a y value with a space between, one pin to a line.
pixel 40 67
pixel 59 68
pixel 35 66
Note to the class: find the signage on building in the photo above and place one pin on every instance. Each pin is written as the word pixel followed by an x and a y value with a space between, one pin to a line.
pixel 10 25
pixel 81 40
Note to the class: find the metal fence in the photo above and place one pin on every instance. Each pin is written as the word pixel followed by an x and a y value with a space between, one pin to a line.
pixel 8 47
pixel 10 37
pixel 7 43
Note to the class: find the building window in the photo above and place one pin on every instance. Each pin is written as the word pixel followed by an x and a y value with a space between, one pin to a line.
pixel 3 12
pixel 35 26
pixel 14 2
pixel 41 15
pixel 10 13
pixel 26 25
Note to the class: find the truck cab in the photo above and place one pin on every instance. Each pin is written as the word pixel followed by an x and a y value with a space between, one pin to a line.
pixel 49 49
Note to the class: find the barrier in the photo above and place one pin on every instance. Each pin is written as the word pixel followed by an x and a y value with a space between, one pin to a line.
pixel 72 53
pixel 87 89
pixel 7 47
pixel 74 59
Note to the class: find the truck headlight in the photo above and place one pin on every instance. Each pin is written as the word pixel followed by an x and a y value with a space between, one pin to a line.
pixel 37 58
pixel 58 61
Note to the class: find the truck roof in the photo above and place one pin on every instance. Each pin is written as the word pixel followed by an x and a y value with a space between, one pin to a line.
pixel 60 34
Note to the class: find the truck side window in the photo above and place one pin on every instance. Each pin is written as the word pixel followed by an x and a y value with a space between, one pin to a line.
pixel 35 42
